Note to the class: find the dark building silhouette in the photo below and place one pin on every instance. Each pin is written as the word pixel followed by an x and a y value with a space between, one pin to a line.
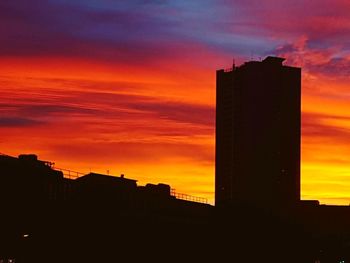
pixel 42 211
pixel 56 215
pixel 258 133
pixel 26 181
pixel 101 189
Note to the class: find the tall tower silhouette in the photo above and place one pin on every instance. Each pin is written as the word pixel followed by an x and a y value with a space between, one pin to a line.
pixel 258 113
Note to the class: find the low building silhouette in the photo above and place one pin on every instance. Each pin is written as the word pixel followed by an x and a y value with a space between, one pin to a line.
pixel 45 209
pixel 100 189
pixel 25 181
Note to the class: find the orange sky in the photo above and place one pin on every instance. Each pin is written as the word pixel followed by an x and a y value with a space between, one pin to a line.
pixel 101 85
pixel 84 115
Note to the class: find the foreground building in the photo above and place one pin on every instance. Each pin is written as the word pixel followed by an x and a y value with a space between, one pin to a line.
pixel 258 133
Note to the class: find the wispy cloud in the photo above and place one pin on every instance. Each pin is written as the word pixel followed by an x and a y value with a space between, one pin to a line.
pixel 18 122
pixel 316 125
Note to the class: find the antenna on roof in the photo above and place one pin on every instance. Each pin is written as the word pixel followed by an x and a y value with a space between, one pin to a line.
pixel 233 64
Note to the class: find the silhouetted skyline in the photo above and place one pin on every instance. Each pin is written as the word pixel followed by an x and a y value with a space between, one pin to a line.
pixel 262 217
pixel 124 93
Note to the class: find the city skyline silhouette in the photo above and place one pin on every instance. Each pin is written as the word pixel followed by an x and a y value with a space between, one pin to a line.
pixel 174 130
pixel 107 211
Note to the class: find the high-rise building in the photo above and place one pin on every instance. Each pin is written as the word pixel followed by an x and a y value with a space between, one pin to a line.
pixel 258 109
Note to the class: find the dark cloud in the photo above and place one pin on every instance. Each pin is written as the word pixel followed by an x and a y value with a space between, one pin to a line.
pixel 127 32
pixel 145 31
pixel 282 18
pixel 315 125
pixel 111 106
pixel 327 61
pixel 39 111
pixel 339 67
pixel 18 122
pixel 179 112
pixel 172 110
pixel 47 110
pixel 142 152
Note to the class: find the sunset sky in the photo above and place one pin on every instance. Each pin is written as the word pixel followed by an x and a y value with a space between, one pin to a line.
pixel 129 86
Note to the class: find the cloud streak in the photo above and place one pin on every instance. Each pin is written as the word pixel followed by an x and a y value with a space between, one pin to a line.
pixel 316 125
pixel 18 122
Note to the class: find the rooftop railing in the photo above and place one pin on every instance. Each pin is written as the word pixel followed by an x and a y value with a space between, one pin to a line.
pixel 187 197
pixel 69 173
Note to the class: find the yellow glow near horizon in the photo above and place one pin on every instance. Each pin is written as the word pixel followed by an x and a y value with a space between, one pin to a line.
pixel 88 115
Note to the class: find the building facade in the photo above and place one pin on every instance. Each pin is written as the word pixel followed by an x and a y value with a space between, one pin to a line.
pixel 258 112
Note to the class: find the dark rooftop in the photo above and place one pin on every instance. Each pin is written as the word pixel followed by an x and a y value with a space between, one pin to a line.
pixel 274 60
pixel 106 177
